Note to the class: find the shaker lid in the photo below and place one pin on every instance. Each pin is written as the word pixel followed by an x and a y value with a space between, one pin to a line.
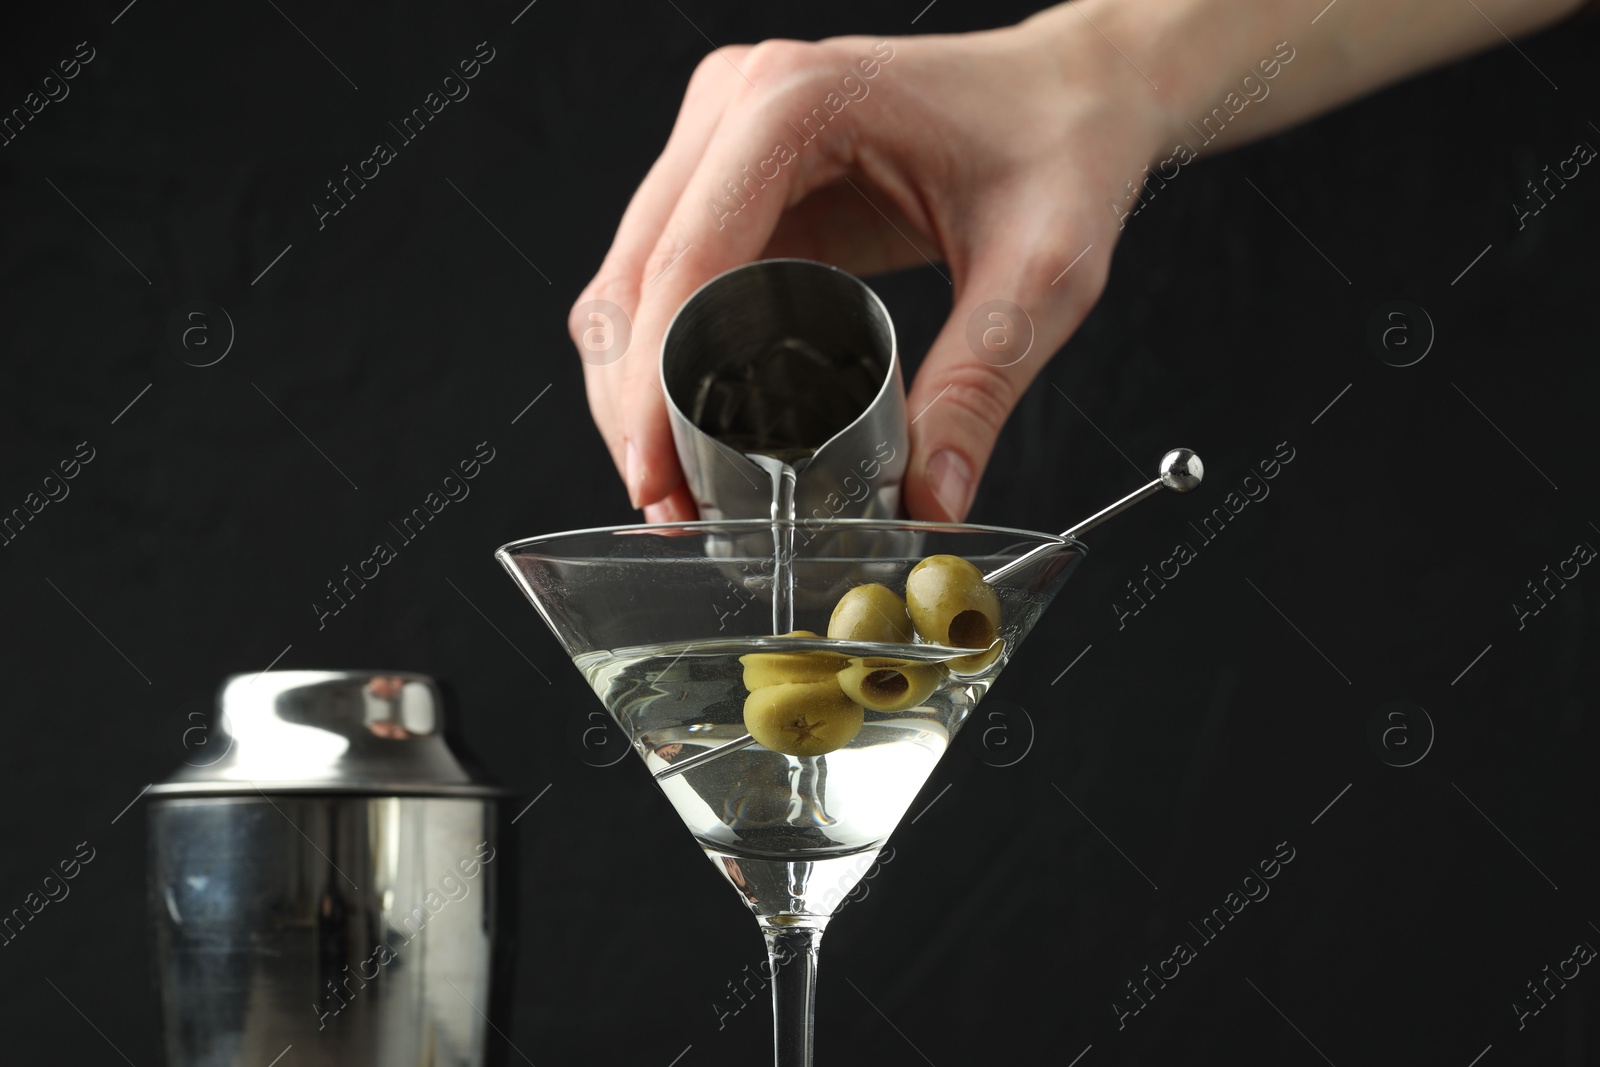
pixel 363 732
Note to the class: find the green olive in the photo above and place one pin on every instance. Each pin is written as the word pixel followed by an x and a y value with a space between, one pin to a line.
pixel 883 684
pixel 951 604
pixel 870 613
pixel 775 668
pixel 802 718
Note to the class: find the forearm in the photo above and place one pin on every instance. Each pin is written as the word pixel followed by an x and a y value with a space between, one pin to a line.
pixel 1192 54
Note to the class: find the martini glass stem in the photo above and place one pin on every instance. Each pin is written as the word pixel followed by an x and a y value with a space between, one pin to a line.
pixel 792 956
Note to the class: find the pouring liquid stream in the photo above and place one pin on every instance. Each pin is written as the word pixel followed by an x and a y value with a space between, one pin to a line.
pixel 783 485
pixel 777 403
pixel 806 787
pixel 784 477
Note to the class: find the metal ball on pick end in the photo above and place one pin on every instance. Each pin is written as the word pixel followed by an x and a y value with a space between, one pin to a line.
pixel 1181 470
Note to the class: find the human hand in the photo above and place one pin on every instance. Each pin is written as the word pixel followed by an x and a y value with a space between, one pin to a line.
pixel 996 153
pixel 992 153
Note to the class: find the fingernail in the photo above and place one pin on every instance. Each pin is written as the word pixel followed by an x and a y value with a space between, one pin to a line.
pixel 632 474
pixel 657 513
pixel 950 478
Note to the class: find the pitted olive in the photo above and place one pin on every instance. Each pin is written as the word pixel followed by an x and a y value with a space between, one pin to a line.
pixel 871 613
pixel 951 604
pixel 802 718
pixel 884 684
pixel 775 668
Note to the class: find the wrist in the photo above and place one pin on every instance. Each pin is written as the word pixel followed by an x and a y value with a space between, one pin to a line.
pixel 1089 67
pixel 1210 59
pixel 1182 58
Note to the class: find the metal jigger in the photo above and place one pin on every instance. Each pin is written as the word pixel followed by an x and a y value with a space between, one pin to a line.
pixel 786 361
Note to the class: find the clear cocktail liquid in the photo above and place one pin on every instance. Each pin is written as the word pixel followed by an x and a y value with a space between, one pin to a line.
pixel 675 701
pixel 786 830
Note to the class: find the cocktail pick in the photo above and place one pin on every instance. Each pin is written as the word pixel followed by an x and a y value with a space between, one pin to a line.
pixel 1180 471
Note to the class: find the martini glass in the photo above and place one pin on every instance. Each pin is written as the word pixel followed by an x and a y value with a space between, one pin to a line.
pixel 657 618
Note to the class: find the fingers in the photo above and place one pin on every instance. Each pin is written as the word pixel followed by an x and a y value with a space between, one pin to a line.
pixel 752 167
pixel 1008 320
pixel 619 278
pixel 676 506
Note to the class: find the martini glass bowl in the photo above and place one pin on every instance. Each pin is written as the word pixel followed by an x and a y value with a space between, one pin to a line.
pixel 657 619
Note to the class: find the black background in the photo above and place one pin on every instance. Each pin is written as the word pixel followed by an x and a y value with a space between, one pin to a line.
pixel 1197 738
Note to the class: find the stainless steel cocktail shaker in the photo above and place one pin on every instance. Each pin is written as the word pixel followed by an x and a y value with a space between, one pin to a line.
pixel 787 362
pixel 336 880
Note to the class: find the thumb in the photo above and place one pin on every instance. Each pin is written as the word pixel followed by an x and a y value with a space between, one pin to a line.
pixel 1008 320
